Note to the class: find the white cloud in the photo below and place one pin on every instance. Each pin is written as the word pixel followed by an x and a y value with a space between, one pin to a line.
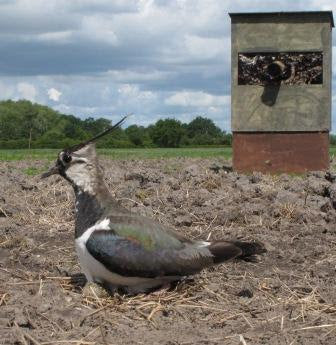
pixel 54 94
pixel 128 90
pixel 132 91
pixel 7 91
pixel 204 47
pixel 55 37
pixel 323 5
pixel 83 111
pixel 131 76
pixel 27 91
pixel 97 28
pixel 197 99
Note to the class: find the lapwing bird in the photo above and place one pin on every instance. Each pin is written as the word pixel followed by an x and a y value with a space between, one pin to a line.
pixel 121 250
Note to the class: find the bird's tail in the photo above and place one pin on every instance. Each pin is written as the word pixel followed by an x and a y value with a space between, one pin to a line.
pixel 226 250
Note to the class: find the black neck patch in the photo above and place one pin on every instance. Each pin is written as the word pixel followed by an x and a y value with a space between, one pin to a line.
pixel 88 212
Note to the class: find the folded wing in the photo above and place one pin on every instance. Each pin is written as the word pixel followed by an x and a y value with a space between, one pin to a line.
pixel 132 256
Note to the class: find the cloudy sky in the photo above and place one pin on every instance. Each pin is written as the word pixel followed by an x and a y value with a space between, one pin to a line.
pixel 152 58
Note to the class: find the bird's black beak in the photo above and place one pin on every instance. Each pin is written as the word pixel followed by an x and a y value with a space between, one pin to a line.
pixel 52 171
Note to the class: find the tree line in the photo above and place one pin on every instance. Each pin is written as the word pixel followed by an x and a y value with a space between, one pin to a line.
pixel 24 124
pixel 30 125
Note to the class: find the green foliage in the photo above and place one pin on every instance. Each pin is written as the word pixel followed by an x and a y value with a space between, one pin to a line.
pixel 202 126
pixel 138 135
pixel 203 131
pixel 167 133
pixel 332 139
pixel 94 126
pixel 226 139
pixel 119 139
pixel 29 125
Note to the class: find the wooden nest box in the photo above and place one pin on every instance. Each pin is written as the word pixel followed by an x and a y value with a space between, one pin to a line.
pixel 281 91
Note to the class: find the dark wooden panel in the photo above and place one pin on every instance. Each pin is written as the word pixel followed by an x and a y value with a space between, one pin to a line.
pixel 295 152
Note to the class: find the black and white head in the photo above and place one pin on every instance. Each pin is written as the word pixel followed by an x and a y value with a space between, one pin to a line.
pixel 78 164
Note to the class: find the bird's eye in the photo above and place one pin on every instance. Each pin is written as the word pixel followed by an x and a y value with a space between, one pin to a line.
pixel 66 158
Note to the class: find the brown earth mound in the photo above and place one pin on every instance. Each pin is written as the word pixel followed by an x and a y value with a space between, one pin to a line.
pixel 287 297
